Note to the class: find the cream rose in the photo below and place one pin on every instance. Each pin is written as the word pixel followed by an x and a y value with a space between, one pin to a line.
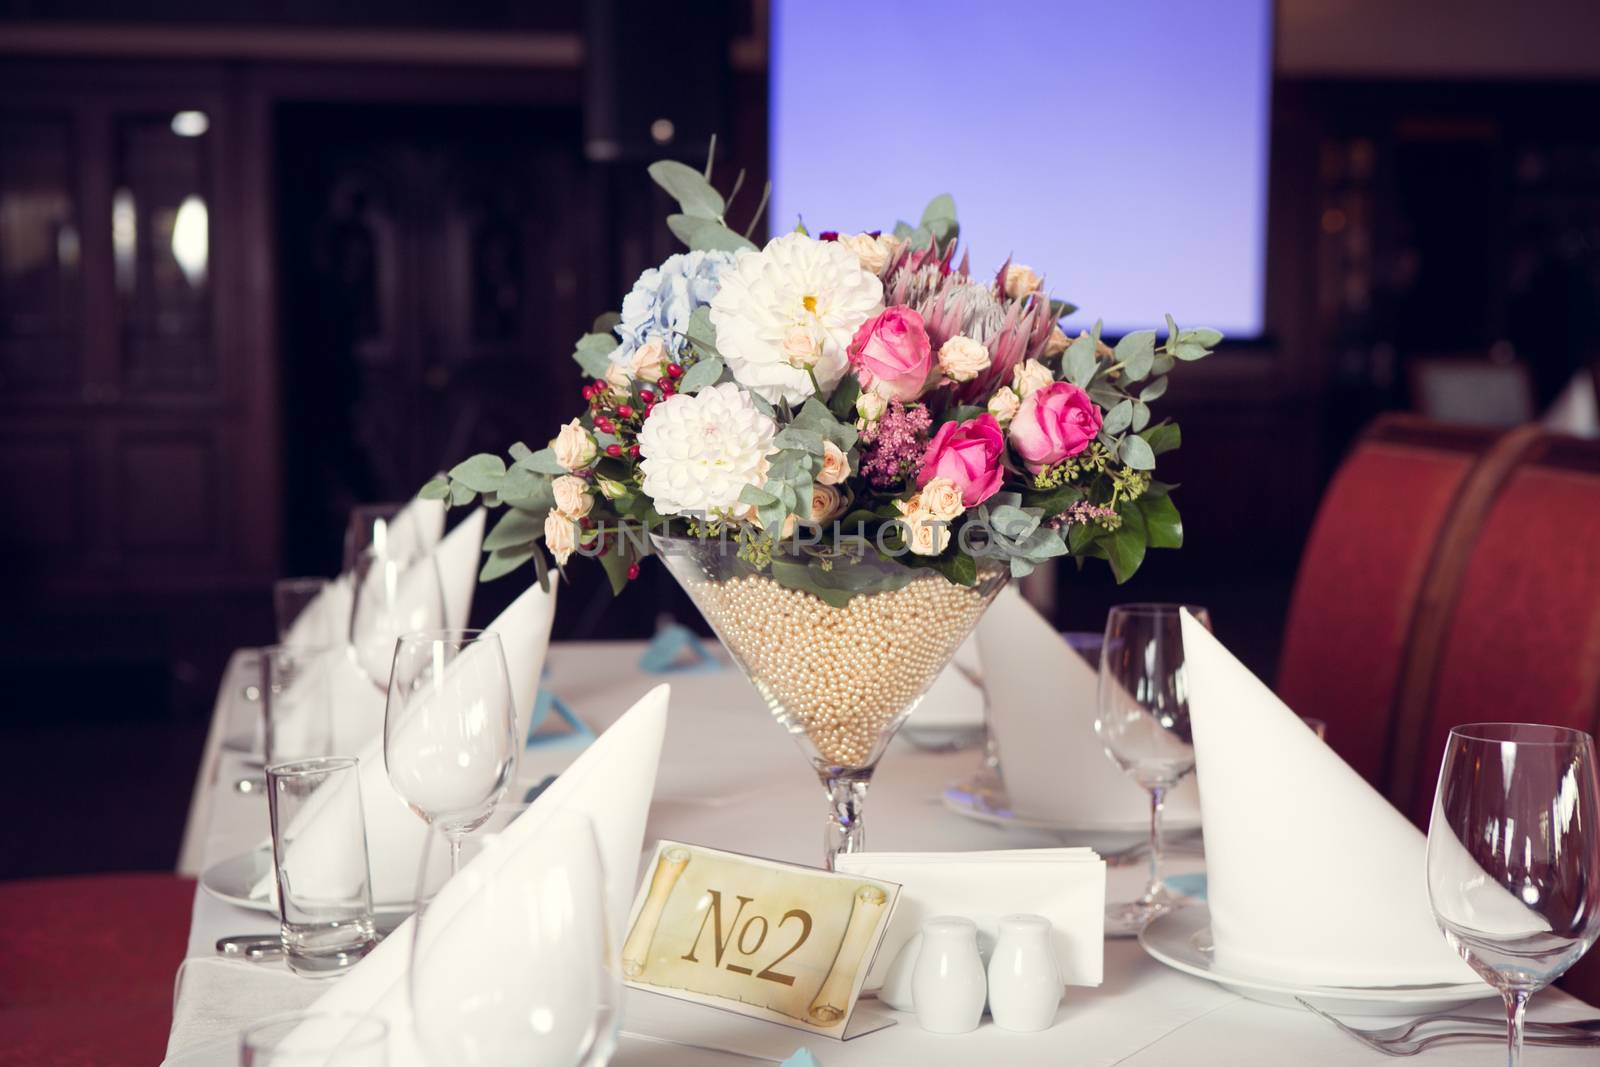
pixel 962 359
pixel 835 464
pixel 1004 404
pixel 620 379
pixel 647 360
pixel 560 535
pixel 610 488
pixel 1056 343
pixel 870 406
pixel 941 499
pixel 574 447
pixel 825 502
pixel 1021 280
pixel 572 496
pixel 925 535
pixel 870 250
pixel 1029 376
pixel 801 348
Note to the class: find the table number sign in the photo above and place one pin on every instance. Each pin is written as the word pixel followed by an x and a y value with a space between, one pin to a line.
pixel 775 941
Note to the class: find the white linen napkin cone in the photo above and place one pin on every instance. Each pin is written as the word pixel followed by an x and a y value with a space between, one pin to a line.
pixel 1312 877
pixel 611 783
pixel 1043 700
pixel 457 558
pixel 395 834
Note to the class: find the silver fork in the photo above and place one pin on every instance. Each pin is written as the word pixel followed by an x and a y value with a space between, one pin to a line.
pixel 1398 1040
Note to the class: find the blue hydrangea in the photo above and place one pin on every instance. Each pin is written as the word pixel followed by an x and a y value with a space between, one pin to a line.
pixel 661 301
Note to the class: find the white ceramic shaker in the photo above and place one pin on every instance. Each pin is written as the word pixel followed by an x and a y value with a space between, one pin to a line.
pixel 1024 979
pixel 948 984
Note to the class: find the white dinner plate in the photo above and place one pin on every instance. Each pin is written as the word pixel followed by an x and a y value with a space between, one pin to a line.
pixel 1182 940
pixel 230 880
pixel 964 803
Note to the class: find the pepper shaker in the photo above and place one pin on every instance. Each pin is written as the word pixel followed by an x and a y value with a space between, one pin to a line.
pixel 1024 979
pixel 948 984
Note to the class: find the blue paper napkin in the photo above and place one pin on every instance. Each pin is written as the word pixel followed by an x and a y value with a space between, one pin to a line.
pixel 802 1058
pixel 547 704
pixel 676 650
pixel 1188 885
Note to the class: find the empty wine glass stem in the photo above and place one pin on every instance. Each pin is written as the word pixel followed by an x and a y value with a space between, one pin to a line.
pixel 1516 1005
pixel 1158 799
pixel 847 795
pixel 454 837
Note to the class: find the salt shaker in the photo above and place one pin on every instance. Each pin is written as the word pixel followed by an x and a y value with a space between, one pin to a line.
pixel 1024 980
pixel 947 984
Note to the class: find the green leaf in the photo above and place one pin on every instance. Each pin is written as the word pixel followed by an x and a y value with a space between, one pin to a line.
pixel 504 561
pixel 1141 416
pixel 756 497
pixel 700 376
pixel 516 527
pixel 1202 335
pixel 481 472
pixel 1163 527
pixel 958 567
pixel 1172 332
pixel 593 353
pixel 706 235
pixel 700 332
pixel 1163 363
pixel 616 563
pixel 606 322
pixel 541 462
pixel 843 402
pixel 1189 351
pixel 436 489
pixel 1136 352
pixel 796 437
pixel 1163 437
pixel 939 218
pixel 1125 545
pixel 688 187
pixel 1080 361
pixel 1055 501
pixel 1155 390
pixel 816 417
pixel 1060 309
pixel 460 495
pixel 1135 451
pixel 1080 535
pixel 1118 418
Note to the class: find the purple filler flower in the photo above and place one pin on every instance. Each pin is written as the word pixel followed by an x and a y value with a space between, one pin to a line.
pixel 894 445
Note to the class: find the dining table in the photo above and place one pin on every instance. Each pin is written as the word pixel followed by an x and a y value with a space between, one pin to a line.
pixel 730 779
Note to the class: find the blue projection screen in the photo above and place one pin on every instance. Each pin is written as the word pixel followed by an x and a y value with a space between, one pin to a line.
pixel 1120 148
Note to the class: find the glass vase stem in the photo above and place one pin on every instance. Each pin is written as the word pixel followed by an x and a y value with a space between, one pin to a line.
pixel 847 796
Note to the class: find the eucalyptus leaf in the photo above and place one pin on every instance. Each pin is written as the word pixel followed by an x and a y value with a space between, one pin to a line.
pixel 1155 390
pixel 541 462
pixel 516 527
pixel 593 353
pixel 1141 416
pixel 1118 418
pixel 1135 451
pixel 1202 335
pixel 689 188
pixel 702 375
pixel 505 560
pixel 481 472
pixel 1136 352
pixel 700 332
pixel 435 489
pixel 706 235
pixel 756 497
pixel 1080 361
pixel 460 495
pixel 606 322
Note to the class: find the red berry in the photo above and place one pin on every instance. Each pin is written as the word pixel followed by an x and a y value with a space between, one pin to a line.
pixel 626 411
pixel 633 571
pixel 667 389
pixel 633 450
pixel 586 522
pixel 588 392
pixel 603 424
pixel 613 450
pixel 647 396
pixel 674 370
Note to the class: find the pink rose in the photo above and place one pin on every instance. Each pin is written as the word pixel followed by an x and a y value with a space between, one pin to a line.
pixel 969 454
pixel 1054 423
pixel 891 354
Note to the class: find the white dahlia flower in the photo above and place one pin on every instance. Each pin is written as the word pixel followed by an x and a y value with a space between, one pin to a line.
pixel 818 286
pixel 700 451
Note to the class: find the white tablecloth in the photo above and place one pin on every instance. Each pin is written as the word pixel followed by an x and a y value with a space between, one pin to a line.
pixel 731 779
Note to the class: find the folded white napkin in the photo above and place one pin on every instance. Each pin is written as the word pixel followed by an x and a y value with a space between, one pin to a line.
pixel 1043 699
pixel 1311 876
pixel 415 529
pixel 325 620
pixel 353 704
pixel 395 835
pixel 1065 885
pixel 611 783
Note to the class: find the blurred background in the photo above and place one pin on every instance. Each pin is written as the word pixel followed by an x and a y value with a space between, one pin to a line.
pixel 263 261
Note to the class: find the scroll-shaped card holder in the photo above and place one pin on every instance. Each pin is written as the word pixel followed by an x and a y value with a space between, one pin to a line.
pixel 788 944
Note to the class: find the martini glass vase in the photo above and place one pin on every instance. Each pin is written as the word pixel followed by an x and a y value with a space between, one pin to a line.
pixel 841 645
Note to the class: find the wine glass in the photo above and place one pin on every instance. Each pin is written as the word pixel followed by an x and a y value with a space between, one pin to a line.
pixel 393 592
pixel 449 729
pixel 511 959
pixel 1512 853
pixel 1143 723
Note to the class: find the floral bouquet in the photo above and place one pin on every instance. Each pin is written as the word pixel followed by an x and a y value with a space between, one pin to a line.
pixel 842 446
pixel 838 398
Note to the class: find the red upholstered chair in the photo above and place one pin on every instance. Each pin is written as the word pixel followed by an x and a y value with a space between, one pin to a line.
pixel 1518 631
pixel 87 967
pixel 1356 594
